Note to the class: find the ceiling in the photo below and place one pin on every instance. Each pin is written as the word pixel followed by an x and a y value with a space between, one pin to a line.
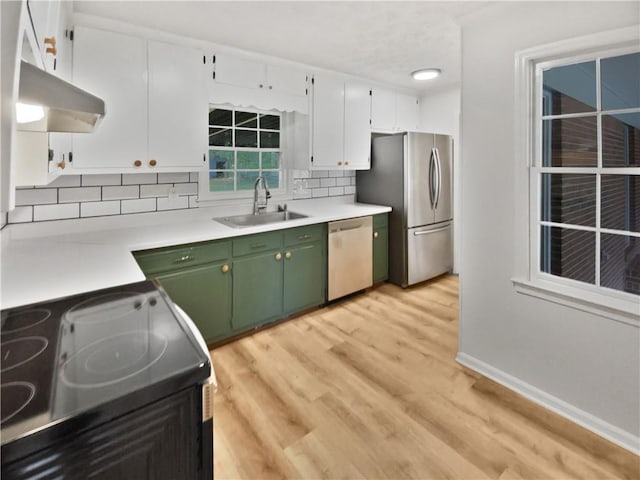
pixel 383 41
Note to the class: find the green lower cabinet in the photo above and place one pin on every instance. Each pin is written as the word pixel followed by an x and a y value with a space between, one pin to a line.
pixel 380 255
pixel 204 293
pixel 303 277
pixel 257 289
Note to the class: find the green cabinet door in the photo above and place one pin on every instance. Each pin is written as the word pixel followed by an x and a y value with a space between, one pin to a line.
pixel 380 254
pixel 204 293
pixel 257 289
pixel 303 277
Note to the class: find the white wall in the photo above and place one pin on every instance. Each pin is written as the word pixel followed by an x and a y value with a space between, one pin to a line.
pixel 586 366
pixel 440 113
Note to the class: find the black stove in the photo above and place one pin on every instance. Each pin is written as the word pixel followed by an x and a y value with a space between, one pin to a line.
pixel 71 363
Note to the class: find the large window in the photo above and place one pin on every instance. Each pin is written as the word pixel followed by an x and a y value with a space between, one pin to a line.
pixel 585 174
pixel 243 144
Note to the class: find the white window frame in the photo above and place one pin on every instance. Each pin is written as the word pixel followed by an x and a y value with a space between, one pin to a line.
pixel 205 195
pixel 528 279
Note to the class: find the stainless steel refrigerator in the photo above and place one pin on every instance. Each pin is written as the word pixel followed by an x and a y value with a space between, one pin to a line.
pixel 412 173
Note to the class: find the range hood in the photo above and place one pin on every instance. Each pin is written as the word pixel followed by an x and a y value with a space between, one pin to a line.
pixel 66 108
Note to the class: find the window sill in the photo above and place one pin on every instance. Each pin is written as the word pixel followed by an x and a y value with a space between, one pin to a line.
pixel 624 311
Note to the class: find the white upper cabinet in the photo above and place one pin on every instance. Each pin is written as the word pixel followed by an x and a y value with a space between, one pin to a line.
pixel 46 18
pixel 327 122
pixel 239 72
pixel 156 104
pixel 407 112
pixel 340 124
pixel 178 110
pixel 393 112
pixel 357 128
pixel 286 80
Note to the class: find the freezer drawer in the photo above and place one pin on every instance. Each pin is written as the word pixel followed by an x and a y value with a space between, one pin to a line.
pixel 429 252
pixel 350 256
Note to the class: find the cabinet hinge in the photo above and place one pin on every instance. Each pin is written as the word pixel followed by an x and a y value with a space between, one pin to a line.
pixel 311 158
pixel 70 35
pixel 70 157
pixel 214 59
pixel 204 157
pixel 370 92
pixel 204 59
pixel 306 91
pixel 313 80
pixel 214 75
pixel 50 155
pixel 55 63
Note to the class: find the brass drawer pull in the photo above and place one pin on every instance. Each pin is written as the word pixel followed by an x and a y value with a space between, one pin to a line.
pixel 225 268
pixel 185 258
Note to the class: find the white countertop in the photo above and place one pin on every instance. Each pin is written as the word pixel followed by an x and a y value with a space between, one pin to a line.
pixel 41 261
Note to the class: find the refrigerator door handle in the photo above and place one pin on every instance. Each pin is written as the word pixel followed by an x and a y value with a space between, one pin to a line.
pixel 432 185
pixel 438 176
pixel 427 232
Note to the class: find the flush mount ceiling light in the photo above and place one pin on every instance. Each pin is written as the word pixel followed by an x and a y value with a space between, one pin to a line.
pixel 426 74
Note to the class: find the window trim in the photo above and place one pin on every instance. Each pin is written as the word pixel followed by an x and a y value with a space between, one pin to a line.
pixel 528 280
pixel 280 193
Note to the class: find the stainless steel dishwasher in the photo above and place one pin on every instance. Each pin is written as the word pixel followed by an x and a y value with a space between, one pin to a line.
pixel 350 256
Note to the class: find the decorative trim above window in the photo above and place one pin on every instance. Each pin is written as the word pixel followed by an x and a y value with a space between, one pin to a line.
pixel 578 127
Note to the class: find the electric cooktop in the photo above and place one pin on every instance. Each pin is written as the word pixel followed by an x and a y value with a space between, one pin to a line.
pixel 64 358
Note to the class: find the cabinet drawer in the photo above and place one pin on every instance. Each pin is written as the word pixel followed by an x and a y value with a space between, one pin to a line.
pixel 380 221
pixel 308 234
pixel 175 258
pixel 257 243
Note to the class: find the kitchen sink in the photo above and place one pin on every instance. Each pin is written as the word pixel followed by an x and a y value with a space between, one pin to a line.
pixel 240 221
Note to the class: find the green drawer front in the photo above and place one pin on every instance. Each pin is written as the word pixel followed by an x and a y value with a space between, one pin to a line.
pixel 380 221
pixel 300 235
pixel 257 243
pixel 174 258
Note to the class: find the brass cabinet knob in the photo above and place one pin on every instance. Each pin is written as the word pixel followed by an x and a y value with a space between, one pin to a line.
pixel 152 163
pixel 287 255
pixel 50 41
pixel 278 256
pixel 61 165
pixel 52 50
pixel 224 268
pixel 261 85
pixel 339 163
pixel 375 234
pixel 137 163
pixel 346 163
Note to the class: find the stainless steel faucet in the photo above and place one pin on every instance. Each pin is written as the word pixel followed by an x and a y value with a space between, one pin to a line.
pixel 259 206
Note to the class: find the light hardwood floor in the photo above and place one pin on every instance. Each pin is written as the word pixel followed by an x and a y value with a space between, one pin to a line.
pixel 369 388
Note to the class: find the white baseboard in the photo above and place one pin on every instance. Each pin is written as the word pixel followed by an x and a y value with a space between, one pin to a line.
pixel 612 433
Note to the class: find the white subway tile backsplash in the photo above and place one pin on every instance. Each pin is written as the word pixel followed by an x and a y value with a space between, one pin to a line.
pixel 327 182
pixel 336 173
pixel 120 192
pixel 166 203
pixel 343 181
pixel 353 180
pixel 186 188
pixel 349 190
pixel 56 212
pixel 193 176
pixel 78 194
pixel 349 173
pixel 64 181
pixel 334 191
pixel 312 183
pixel 301 173
pixel 139 178
pixel 97 209
pixel 319 173
pixel 193 201
pixel 101 179
pixel 173 177
pixel 21 215
pixel 154 190
pixel 139 205
pixel 319 192
pixel 36 196
pixel 302 194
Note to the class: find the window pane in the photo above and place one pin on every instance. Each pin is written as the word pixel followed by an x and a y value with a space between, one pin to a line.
pixel 569 198
pixel 247 138
pixel 621 140
pixel 619 77
pixel 220 159
pixel 218 116
pixel 270 160
pixel 272 178
pixel 246 119
pixel 220 181
pixel 220 137
pixel 569 89
pixel 568 253
pixel 248 160
pixel 620 262
pixel 570 142
pixel 270 122
pixel 269 140
pixel 246 180
pixel 620 205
